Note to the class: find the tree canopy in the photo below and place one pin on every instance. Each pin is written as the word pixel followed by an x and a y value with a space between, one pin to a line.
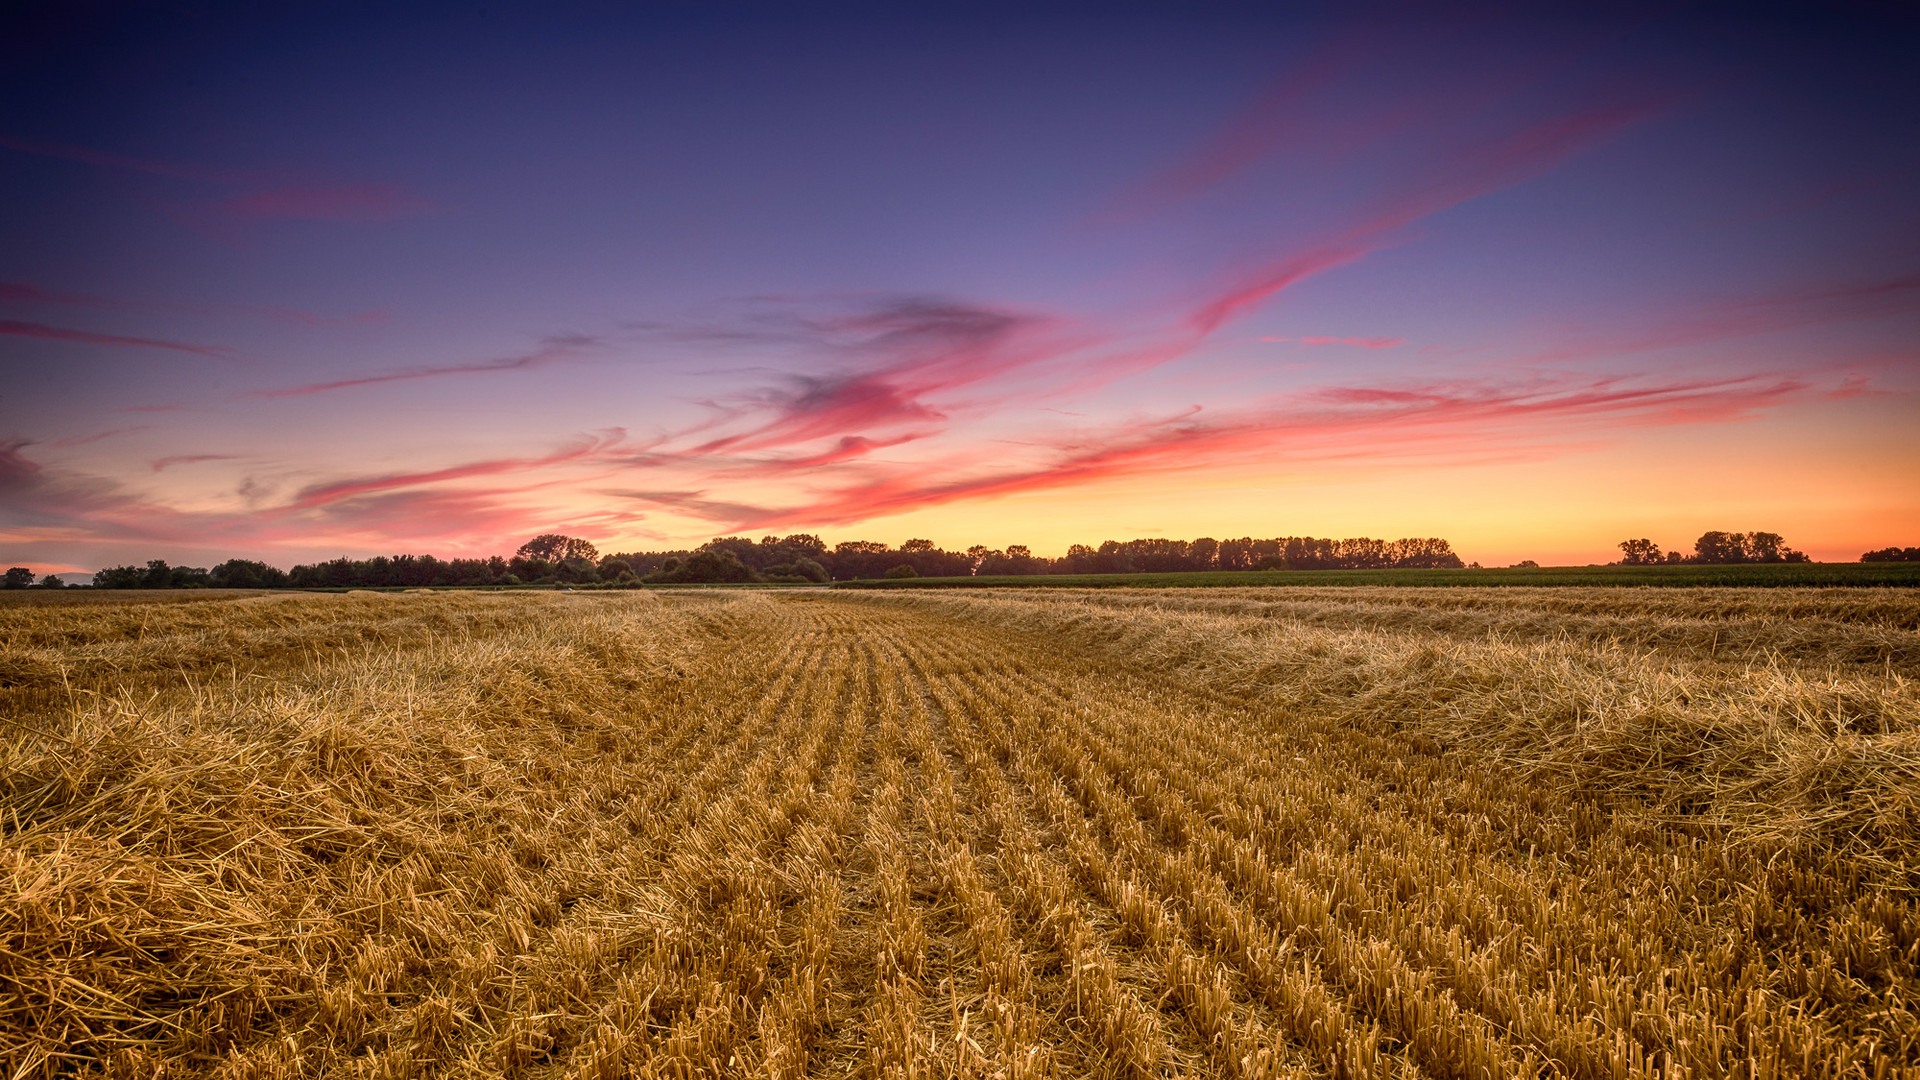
pixel 554 548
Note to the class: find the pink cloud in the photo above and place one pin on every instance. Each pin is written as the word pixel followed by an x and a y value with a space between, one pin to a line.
pixel 334 491
pixel 33 497
pixel 1254 134
pixel 1858 386
pixel 465 518
pixel 696 503
pixel 1363 342
pixel 1467 175
pixel 28 292
pixel 1261 286
pixel 1819 196
pixel 849 448
pixel 1294 116
pixel 1335 423
pixel 1835 302
pixel 916 349
pixel 87 337
pixel 367 511
pixel 16 471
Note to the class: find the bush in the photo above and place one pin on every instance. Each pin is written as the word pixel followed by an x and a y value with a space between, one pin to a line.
pixel 904 570
pixel 705 567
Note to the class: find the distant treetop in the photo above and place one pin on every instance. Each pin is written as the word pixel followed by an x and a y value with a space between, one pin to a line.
pixel 553 548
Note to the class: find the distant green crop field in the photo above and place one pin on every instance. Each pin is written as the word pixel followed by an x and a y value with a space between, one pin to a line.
pixel 1762 575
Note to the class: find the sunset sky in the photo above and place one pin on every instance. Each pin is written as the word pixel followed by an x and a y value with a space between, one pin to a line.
pixel 357 281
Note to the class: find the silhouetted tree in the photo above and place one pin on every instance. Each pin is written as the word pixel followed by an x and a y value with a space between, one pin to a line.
pixel 860 559
pixel 1765 547
pixel 978 556
pixel 1204 553
pixel 1640 553
pixel 904 570
pixel 51 581
pixel 555 548
pixel 19 577
pixel 1725 547
pixel 1892 554
pixel 1718 547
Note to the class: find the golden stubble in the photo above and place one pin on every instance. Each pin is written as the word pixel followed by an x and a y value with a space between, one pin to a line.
pixel 1237 833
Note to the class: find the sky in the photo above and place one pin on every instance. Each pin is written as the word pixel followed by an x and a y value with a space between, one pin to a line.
pixel 338 279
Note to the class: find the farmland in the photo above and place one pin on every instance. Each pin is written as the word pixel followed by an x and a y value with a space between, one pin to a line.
pixel 1253 832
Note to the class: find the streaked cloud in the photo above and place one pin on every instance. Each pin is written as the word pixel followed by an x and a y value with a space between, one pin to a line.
pixel 1467 173
pixel 18 328
pixel 555 351
pixel 1340 423
pixel 162 464
pixel 1362 342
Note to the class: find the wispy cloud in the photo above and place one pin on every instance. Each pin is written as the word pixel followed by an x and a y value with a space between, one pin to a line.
pixel 82 440
pixel 906 353
pixel 555 351
pixel 1730 319
pixel 88 337
pixel 1255 133
pixel 39 503
pixel 335 490
pixel 696 503
pixel 28 292
pixel 1466 174
pixel 1362 342
pixel 1350 423
pixel 305 201
pixel 162 464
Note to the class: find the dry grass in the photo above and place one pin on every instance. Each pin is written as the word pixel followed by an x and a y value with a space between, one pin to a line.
pixel 1344 833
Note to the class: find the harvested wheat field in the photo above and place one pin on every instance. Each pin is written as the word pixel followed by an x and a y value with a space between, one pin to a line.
pixel 1262 832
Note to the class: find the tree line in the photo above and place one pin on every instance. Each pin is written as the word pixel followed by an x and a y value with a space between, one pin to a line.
pixel 1717 548
pixel 554 559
